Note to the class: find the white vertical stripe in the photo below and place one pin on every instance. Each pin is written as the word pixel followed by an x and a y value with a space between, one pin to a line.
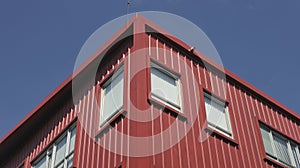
pixel 161 138
pixel 178 57
pixel 205 78
pixel 149 44
pixel 152 134
pixel 218 87
pixel 157 56
pixel 165 59
pixel 93 113
pixel 198 73
pixel 128 104
pixel 179 149
pixel 172 63
pixel 212 82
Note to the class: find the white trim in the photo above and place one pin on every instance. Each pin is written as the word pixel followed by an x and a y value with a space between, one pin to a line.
pixel 163 69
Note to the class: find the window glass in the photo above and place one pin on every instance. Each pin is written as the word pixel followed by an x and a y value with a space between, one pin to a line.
pixel 41 163
pixel 267 141
pixel 70 161
pixel 112 97
pixel 281 149
pixel 49 157
pixel 295 156
pixel 60 150
pixel 72 141
pixel 165 87
pixel 216 114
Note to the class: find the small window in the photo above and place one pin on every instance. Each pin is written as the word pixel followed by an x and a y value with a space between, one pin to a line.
pixel 217 114
pixel 60 154
pixel 112 96
pixel 165 86
pixel 280 148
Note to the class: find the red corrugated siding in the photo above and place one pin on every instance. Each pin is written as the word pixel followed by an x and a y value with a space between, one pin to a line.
pixel 246 109
pixel 46 134
pixel 189 152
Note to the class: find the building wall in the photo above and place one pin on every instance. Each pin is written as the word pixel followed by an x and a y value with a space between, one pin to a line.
pixel 43 134
pixel 246 110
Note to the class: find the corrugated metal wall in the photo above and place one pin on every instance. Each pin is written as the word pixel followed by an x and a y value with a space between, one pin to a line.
pixel 245 110
pixel 49 129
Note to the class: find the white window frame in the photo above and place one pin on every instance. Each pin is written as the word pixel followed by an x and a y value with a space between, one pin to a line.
pixel 176 78
pixel 274 156
pixel 227 117
pixel 51 151
pixel 116 74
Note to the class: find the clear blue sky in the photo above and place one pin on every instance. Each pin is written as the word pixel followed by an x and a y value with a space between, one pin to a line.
pixel 259 40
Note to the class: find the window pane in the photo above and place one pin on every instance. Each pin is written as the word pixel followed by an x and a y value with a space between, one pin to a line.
pixel 113 97
pixel 49 159
pixel 295 156
pixel 215 113
pixel 281 149
pixel 60 150
pixel 72 140
pixel 267 141
pixel 41 163
pixel 164 86
pixel 70 161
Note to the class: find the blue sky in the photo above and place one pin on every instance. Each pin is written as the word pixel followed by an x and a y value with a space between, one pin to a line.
pixel 259 40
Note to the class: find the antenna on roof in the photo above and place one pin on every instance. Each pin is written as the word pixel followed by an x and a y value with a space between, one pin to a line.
pixel 127 11
pixel 128 6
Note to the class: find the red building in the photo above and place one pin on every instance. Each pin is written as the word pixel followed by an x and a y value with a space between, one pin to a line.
pixel 153 102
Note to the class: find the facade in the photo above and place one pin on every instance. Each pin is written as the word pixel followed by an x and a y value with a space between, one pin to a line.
pixel 153 102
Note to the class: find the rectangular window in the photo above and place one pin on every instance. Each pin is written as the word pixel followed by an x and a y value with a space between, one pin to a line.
pixel 280 148
pixel 112 96
pixel 165 86
pixel 60 153
pixel 217 114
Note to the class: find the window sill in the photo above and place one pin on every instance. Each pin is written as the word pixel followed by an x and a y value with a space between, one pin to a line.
pixel 275 162
pixel 167 108
pixel 220 135
pixel 110 123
